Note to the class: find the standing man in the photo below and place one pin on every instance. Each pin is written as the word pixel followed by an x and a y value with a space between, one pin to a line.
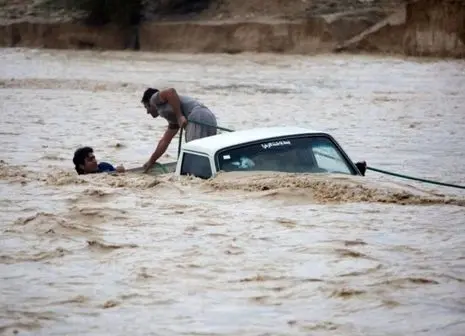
pixel 179 111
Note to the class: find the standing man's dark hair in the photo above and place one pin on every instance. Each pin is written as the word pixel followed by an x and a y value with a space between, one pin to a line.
pixel 148 93
pixel 80 156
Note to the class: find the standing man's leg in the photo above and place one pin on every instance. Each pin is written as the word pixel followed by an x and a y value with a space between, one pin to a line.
pixel 196 131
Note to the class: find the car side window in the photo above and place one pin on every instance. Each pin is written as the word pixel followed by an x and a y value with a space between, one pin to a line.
pixel 196 165
pixel 328 157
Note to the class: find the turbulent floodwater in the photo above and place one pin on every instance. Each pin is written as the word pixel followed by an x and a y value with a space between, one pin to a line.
pixel 239 255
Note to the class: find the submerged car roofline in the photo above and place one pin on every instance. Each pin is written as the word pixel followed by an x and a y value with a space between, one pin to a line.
pixel 216 142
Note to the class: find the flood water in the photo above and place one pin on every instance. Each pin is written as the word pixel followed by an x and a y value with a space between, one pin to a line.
pixel 245 255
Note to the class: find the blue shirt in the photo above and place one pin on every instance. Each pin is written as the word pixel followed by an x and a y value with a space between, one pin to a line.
pixel 104 167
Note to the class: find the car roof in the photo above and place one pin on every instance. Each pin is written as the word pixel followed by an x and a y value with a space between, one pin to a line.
pixel 210 145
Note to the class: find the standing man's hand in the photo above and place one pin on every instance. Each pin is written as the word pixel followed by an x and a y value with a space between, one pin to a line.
pixel 182 122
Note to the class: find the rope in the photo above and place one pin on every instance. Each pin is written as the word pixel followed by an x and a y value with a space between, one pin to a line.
pixel 368 168
pixel 179 145
pixel 205 124
pixel 162 166
pixel 415 178
pixel 202 124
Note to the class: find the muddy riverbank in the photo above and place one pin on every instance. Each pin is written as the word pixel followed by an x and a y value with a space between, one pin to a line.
pixel 421 28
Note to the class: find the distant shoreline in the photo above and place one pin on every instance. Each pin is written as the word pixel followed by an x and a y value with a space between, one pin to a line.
pixel 404 32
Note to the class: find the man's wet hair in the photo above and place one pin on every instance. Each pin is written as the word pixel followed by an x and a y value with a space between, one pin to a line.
pixel 148 93
pixel 80 156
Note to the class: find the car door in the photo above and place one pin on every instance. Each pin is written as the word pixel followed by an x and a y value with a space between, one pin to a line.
pixel 197 165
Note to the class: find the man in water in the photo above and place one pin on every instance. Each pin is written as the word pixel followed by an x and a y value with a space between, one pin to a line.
pixel 85 163
pixel 181 112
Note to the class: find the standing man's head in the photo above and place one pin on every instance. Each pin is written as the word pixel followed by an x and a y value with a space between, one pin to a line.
pixel 148 93
pixel 84 161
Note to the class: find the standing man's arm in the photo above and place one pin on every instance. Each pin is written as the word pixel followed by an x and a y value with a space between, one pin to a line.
pixel 162 146
pixel 171 97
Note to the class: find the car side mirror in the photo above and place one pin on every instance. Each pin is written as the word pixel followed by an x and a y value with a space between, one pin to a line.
pixel 362 167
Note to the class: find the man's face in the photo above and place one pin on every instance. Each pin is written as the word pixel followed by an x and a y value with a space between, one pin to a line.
pixel 90 163
pixel 152 110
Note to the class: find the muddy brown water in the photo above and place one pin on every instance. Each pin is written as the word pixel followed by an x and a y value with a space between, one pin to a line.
pixel 261 254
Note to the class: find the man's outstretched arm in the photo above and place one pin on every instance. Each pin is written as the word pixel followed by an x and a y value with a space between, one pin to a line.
pixel 162 146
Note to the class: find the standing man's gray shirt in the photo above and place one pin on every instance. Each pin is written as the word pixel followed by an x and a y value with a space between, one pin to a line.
pixel 193 110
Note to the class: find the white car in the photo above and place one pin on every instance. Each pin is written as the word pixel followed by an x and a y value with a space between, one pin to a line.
pixel 278 149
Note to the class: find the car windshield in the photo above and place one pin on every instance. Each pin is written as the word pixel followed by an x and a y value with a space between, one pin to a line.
pixel 307 154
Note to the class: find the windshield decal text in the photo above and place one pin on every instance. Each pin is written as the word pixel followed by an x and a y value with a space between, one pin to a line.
pixel 276 144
